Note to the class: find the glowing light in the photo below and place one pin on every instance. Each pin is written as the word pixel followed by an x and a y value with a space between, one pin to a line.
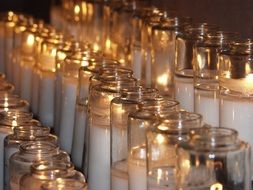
pixel 77 9
pixel 30 40
pixel 53 52
pixel 108 43
pixel 96 47
pixel 216 186
pixel 163 79
pixel 14 123
pixel 159 175
pixel 84 63
pixel 160 139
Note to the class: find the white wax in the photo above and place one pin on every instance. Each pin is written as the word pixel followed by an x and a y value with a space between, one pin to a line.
pixel 99 158
pixel 26 79
pixel 8 152
pixel 16 71
pixel 236 113
pixel 119 176
pixel 46 99
pixel 69 90
pixel 207 104
pixel 147 63
pixel 184 93
pixel 79 135
pixel 136 62
pixel 35 91
pixel 57 101
pixel 137 174
pixel 3 133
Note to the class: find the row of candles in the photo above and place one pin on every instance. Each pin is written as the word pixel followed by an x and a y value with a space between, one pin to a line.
pixel 67 82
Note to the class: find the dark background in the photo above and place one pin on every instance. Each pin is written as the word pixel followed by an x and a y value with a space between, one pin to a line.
pixel 230 15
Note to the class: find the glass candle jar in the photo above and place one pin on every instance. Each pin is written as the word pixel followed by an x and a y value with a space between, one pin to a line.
pixel 44 171
pixel 235 79
pixel 20 162
pixel 18 30
pixel 69 87
pixel 121 107
pixel 206 83
pixel 138 123
pixel 41 36
pixel 214 158
pixel 99 130
pixel 27 63
pixel 11 103
pixel 184 61
pixel 80 126
pixel 67 184
pixel 62 52
pixel 46 65
pixel 162 139
pixel 163 53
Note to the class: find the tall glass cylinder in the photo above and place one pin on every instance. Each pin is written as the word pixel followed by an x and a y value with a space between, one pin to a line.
pixel 99 130
pixel 138 123
pixel 163 53
pixel 214 158
pixel 162 140
pixel 81 110
pixel 46 65
pixel 21 161
pixel 39 38
pixel 236 80
pixel 43 172
pixel 184 61
pixel 121 107
pixel 27 62
pixel 206 83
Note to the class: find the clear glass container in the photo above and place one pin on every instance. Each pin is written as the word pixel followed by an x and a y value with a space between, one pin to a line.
pixel 63 53
pixel 26 132
pixel 21 161
pixel 149 21
pixel 43 172
pixel 41 36
pixel 162 139
pixel 67 184
pixel 18 30
pixel 99 130
pixel 80 125
pixel 27 62
pixel 46 91
pixel 184 61
pixel 11 103
pixel 163 53
pixel 214 158
pixel 69 88
pixel 121 107
pixel 139 122
pixel 206 83
pixel 235 80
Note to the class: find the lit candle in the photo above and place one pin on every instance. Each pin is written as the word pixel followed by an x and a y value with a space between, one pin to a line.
pixel 46 87
pixel 216 186
pixel 28 46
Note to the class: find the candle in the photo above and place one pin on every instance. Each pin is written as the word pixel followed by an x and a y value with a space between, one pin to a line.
pixel 46 88
pixel 28 45
pixel 35 90
pixel 26 70
pixel 136 62
pixel 184 92
pixel 2 68
pixel 207 104
pixel 69 91
pixel 16 70
pixel 137 169
pixel 4 131
pixel 119 179
pixel 79 135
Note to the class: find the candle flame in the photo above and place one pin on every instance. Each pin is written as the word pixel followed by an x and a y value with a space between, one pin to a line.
pixel 160 138
pixel 163 79
pixel 30 40
pixel 14 123
pixel 216 186
pixel 77 9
